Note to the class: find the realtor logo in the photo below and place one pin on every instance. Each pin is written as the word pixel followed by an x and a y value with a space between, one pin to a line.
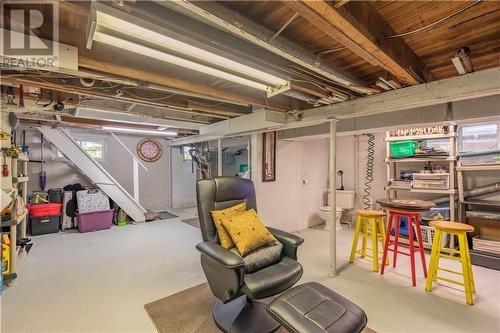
pixel 23 25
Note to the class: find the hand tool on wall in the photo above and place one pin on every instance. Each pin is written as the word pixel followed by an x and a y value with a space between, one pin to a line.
pixel 10 96
pixel 43 175
pixel 21 97
pixel 5 166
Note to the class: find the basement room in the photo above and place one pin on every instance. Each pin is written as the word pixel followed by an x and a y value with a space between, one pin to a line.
pixel 250 166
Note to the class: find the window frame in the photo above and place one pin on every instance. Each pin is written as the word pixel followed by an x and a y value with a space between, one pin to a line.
pixel 461 133
pixel 185 150
pixel 102 141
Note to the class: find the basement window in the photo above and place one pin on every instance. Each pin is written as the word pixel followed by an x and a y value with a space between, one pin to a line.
pixel 94 148
pixel 479 137
pixel 186 156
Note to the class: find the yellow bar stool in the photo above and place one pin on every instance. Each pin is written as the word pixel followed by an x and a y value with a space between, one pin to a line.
pixel 369 224
pixel 454 229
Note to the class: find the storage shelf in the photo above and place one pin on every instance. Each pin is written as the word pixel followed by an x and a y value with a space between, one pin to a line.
pixel 488 260
pixel 20 179
pixel 485 203
pixel 484 167
pixel 13 222
pixel 22 157
pixel 421 190
pixel 419 137
pixel 489 215
pixel 420 159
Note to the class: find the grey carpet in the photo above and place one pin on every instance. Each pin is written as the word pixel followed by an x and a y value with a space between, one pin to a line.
pixel 166 215
pixel 192 222
pixel 189 311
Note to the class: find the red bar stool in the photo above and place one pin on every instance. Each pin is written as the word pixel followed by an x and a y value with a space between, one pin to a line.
pixel 413 217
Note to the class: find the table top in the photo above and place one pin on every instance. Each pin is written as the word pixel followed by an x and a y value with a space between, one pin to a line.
pixel 406 204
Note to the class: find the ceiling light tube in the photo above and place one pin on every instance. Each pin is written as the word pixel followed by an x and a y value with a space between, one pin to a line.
pixel 165 57
pixel 137 131
pixel 125 27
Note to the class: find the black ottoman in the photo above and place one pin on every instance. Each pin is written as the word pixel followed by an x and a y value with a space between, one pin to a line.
pixel 313 308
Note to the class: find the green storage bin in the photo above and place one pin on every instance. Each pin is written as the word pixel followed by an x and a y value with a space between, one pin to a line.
pixel 400 149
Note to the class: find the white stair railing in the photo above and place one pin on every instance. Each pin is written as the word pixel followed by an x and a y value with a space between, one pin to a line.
pixel 135 168
pixel 96 173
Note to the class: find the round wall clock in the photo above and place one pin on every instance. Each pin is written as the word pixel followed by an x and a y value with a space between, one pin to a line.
pixel 149 150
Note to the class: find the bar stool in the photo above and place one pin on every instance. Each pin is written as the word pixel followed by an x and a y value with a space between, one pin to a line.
pixel 413 217
pixel 373 226
pixel 455 229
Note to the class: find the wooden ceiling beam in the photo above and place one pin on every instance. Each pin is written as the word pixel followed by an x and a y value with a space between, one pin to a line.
pixel 360 27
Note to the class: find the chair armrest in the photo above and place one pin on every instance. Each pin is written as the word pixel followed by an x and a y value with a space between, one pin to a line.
pixel 222 256
pixel 290 242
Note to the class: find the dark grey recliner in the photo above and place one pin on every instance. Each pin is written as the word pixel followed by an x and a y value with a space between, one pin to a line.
pixel 237 308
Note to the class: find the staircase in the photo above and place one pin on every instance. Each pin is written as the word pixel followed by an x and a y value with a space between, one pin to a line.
pixel 94 171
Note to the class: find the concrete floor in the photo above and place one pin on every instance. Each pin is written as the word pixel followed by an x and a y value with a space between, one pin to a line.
pixel 99 282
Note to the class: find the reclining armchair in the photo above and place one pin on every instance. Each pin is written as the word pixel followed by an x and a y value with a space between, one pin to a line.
pixel 237 308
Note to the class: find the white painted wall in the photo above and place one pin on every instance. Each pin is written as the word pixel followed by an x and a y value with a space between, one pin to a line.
pixel 153 184
pixel 292 202
pixel 183 181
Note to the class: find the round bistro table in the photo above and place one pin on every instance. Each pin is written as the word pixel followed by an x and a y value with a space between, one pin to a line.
pixel 411 209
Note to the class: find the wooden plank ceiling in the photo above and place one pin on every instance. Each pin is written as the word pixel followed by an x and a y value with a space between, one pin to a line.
pixel 351 36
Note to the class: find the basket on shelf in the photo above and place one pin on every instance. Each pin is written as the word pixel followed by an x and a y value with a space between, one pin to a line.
pixel 428 236
pixel 401 149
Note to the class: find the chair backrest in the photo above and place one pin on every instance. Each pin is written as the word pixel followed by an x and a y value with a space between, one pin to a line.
pixel 219 193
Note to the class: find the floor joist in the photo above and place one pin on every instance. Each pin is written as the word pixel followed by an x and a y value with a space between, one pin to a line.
pixel 364 34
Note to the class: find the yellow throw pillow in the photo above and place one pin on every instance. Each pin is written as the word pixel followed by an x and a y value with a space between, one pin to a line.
pixel 217 215
pixel 247 231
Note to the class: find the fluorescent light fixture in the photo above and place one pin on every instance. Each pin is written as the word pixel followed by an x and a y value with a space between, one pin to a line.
pixel 122 26
pixel 162 56
pixel 106 21
pixel 137 131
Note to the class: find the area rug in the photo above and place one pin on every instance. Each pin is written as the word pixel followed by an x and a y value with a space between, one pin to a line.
pixel 192 222
pixel 166 215
pixel 189 311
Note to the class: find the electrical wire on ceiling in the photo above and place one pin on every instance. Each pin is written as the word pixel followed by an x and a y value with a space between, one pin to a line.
pixel 45 81
pixel 310 82
pixel 427 26
pixel 144 98
pixel 200 103
pixel 334 85
pixel 41 96
pixel 337 49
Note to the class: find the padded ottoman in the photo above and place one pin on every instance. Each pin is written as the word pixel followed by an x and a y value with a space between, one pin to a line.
pixel 313 308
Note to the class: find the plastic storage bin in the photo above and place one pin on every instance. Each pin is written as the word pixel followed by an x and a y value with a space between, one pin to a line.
pixel 93 200
pixel 428 236
pixel 55 195
pixel 437 181
pixel 42 225
pixel 431 214
pixel 41 210
pixel 95 221
pixel 480 158
pixel 401 149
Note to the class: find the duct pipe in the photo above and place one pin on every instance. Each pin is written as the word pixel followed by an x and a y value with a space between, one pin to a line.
pixel 474 192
